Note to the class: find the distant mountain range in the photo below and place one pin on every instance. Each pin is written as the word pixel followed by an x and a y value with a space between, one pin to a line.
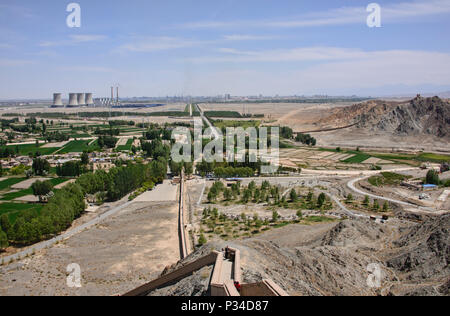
pixel 405 118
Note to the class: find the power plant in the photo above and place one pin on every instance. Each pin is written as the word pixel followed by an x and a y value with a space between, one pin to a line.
pixel 86 99
pixel 89 99
pixel 81 99
pixel 73 99
pixel 57 100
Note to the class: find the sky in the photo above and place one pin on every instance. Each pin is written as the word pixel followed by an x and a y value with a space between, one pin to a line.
pixel 212 47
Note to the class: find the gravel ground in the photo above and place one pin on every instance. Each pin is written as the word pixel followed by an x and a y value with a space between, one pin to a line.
pixel 121 253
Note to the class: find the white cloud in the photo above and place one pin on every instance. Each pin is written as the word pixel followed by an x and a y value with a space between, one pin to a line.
pixel 74 40
pixel 243 37
pixel 341 71
pixel 282 55
pixel 154 44
pixel 346 15
pixel 87 69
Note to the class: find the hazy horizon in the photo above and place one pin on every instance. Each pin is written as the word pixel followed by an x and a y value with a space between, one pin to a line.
pixel 242 48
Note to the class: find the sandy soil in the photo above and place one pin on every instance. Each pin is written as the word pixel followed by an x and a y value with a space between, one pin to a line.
pixel 116 256
pixel 55 145
pixel 28 198
pixel 62 185
pixel 165 192
pixel 27 183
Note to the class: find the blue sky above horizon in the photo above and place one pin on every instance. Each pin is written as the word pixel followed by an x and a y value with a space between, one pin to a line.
pixel 241 47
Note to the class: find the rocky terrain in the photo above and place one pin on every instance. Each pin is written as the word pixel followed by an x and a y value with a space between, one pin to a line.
pixel 332 259
pixel 420 116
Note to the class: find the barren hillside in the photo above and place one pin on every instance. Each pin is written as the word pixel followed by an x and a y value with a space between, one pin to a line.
pixel 420 116
pixel 332 259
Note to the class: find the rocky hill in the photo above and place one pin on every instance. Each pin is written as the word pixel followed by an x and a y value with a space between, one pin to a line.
pixel 419 116
pixel 332 259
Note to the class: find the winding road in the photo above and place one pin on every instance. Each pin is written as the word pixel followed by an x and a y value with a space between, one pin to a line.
pixel 351 186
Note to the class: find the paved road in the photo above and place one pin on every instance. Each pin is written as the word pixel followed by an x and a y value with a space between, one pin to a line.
pixel 46 244
pixel 351 186
pixel 214 130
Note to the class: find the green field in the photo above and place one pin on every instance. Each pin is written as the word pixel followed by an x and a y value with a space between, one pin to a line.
pixel 243 124
pixel 387 178
pixel 15 195
pixel 14 209
pixel 83 135
pixel 25 150
pixel 5 184
pixel 78 146
pixel 433 157
pixel 127 146
pixel 358 158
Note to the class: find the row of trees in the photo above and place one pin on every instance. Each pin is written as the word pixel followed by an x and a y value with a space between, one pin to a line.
pixel 68 203
pixel 230 172
pixel 306 139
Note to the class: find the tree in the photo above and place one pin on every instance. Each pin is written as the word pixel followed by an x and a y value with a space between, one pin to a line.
pixel 350 198
pixel 256 195
pixel 321 200
pixel 211 197
pixel 202 240
pixel 293 195
pixel 376 205
pixel 41 189
pixel 275 216
pixel 227 194
pixel 432 177
pixel 69 169
pixel 366 201
pixel 299 214
pixel 40 166
pixel 188 168
pixel 5 224
pixel 246 196
pixel 3 240
pixel 385 206
pixel 84 158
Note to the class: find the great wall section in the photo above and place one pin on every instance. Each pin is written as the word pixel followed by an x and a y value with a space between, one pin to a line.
pixel 226 276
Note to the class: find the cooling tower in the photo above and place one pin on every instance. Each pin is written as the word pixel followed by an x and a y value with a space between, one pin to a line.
pixel 57 99
pixel 89 100
pixel 73 99
pixel 81 99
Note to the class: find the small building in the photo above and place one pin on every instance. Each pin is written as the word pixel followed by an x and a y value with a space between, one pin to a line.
pixel 429 187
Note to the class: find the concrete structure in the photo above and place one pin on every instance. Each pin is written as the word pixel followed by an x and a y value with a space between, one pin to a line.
pixel 57 99
pixel 73 99
pixel 81 98
pixel 226 271
pixel 89 99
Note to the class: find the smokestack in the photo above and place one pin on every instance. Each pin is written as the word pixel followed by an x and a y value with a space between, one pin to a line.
pixel 57 99
pixel 73 99
pixel 81 99
pixel 117 90
pixel 89 99
pixel 112 94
